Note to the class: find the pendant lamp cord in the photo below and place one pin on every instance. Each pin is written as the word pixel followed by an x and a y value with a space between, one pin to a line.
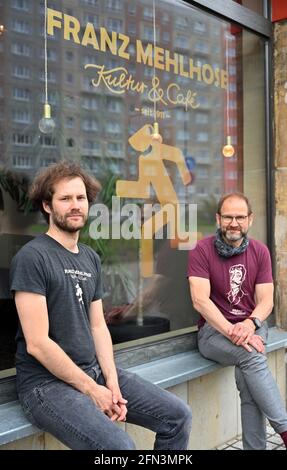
pixel 46 54
pixel 154 46
pixel 227 94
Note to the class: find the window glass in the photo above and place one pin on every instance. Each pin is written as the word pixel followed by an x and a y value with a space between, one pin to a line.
pixel 202 80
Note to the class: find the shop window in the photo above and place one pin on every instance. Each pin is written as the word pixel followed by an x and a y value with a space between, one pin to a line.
pixel 100 119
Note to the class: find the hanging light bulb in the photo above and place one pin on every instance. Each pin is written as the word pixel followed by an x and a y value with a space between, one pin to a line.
pixel 47 124
pixel 156 135
pixel 228 149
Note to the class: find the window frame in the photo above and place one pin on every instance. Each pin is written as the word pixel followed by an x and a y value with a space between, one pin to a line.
pixel 153 348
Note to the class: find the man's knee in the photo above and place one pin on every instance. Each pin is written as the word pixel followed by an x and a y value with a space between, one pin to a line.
pixel 182 415
pixel 254 361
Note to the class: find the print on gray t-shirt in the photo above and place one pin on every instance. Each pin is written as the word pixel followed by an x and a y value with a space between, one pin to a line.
pixel 70 282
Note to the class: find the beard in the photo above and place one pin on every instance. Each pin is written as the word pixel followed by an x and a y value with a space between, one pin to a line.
pixel 233 236
pixel 64 224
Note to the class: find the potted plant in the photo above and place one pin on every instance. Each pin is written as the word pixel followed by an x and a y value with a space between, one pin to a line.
pixel 122 295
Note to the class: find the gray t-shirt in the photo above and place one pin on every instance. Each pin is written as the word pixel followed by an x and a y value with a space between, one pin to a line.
pixel 70 282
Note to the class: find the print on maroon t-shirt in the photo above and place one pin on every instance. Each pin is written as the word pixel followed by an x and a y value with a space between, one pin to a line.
pixel 233 279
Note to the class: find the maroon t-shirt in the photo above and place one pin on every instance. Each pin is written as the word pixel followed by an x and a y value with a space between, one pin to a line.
pixel 232 280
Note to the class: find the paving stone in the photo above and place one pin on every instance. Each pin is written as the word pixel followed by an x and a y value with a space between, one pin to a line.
pixel 276 439
pixel 274 442
pixel 231 441
pixel 238 445
pixel 222 447
pixel 269 430
pixel 271 445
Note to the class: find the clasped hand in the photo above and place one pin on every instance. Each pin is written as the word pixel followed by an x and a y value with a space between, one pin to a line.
pixel 110 401
pixel 243 335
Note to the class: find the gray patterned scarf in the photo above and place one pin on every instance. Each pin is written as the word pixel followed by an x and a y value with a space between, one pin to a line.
pixel 225 250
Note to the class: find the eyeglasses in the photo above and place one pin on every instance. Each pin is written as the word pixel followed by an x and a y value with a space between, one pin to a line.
pixel 229 218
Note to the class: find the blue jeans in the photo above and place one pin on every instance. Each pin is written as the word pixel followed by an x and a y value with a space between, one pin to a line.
pixel 75 420
pixel 258 390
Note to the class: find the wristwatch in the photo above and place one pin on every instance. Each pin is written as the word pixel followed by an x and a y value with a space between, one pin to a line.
pixel 256 321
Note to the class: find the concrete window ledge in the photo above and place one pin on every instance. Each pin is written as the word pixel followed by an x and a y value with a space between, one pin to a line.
pixel 179 368
pixel 167 372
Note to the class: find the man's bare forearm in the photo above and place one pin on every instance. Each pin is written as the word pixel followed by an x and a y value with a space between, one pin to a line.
pixel 52 356
pixel 213 316
pixel 104 351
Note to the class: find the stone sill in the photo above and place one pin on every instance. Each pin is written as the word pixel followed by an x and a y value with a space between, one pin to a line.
pixel 165 372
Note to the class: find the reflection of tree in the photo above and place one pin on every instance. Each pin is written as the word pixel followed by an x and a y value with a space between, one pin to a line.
pixel 17 186
pixel 118 281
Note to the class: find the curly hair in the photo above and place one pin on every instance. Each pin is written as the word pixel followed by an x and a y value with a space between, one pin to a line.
pixel 42 188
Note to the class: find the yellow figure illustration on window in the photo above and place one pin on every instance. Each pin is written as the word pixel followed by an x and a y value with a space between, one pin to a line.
pixel 152 172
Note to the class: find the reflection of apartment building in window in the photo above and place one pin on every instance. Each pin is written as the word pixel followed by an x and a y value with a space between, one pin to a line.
pixel 199 131
pixel 93 122
pixel 82 113
pixel 233 109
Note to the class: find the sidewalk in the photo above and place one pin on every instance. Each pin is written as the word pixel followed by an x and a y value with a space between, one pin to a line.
pixel 274 442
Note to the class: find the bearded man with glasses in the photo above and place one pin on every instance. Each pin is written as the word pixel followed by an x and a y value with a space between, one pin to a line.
pixel 231 287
